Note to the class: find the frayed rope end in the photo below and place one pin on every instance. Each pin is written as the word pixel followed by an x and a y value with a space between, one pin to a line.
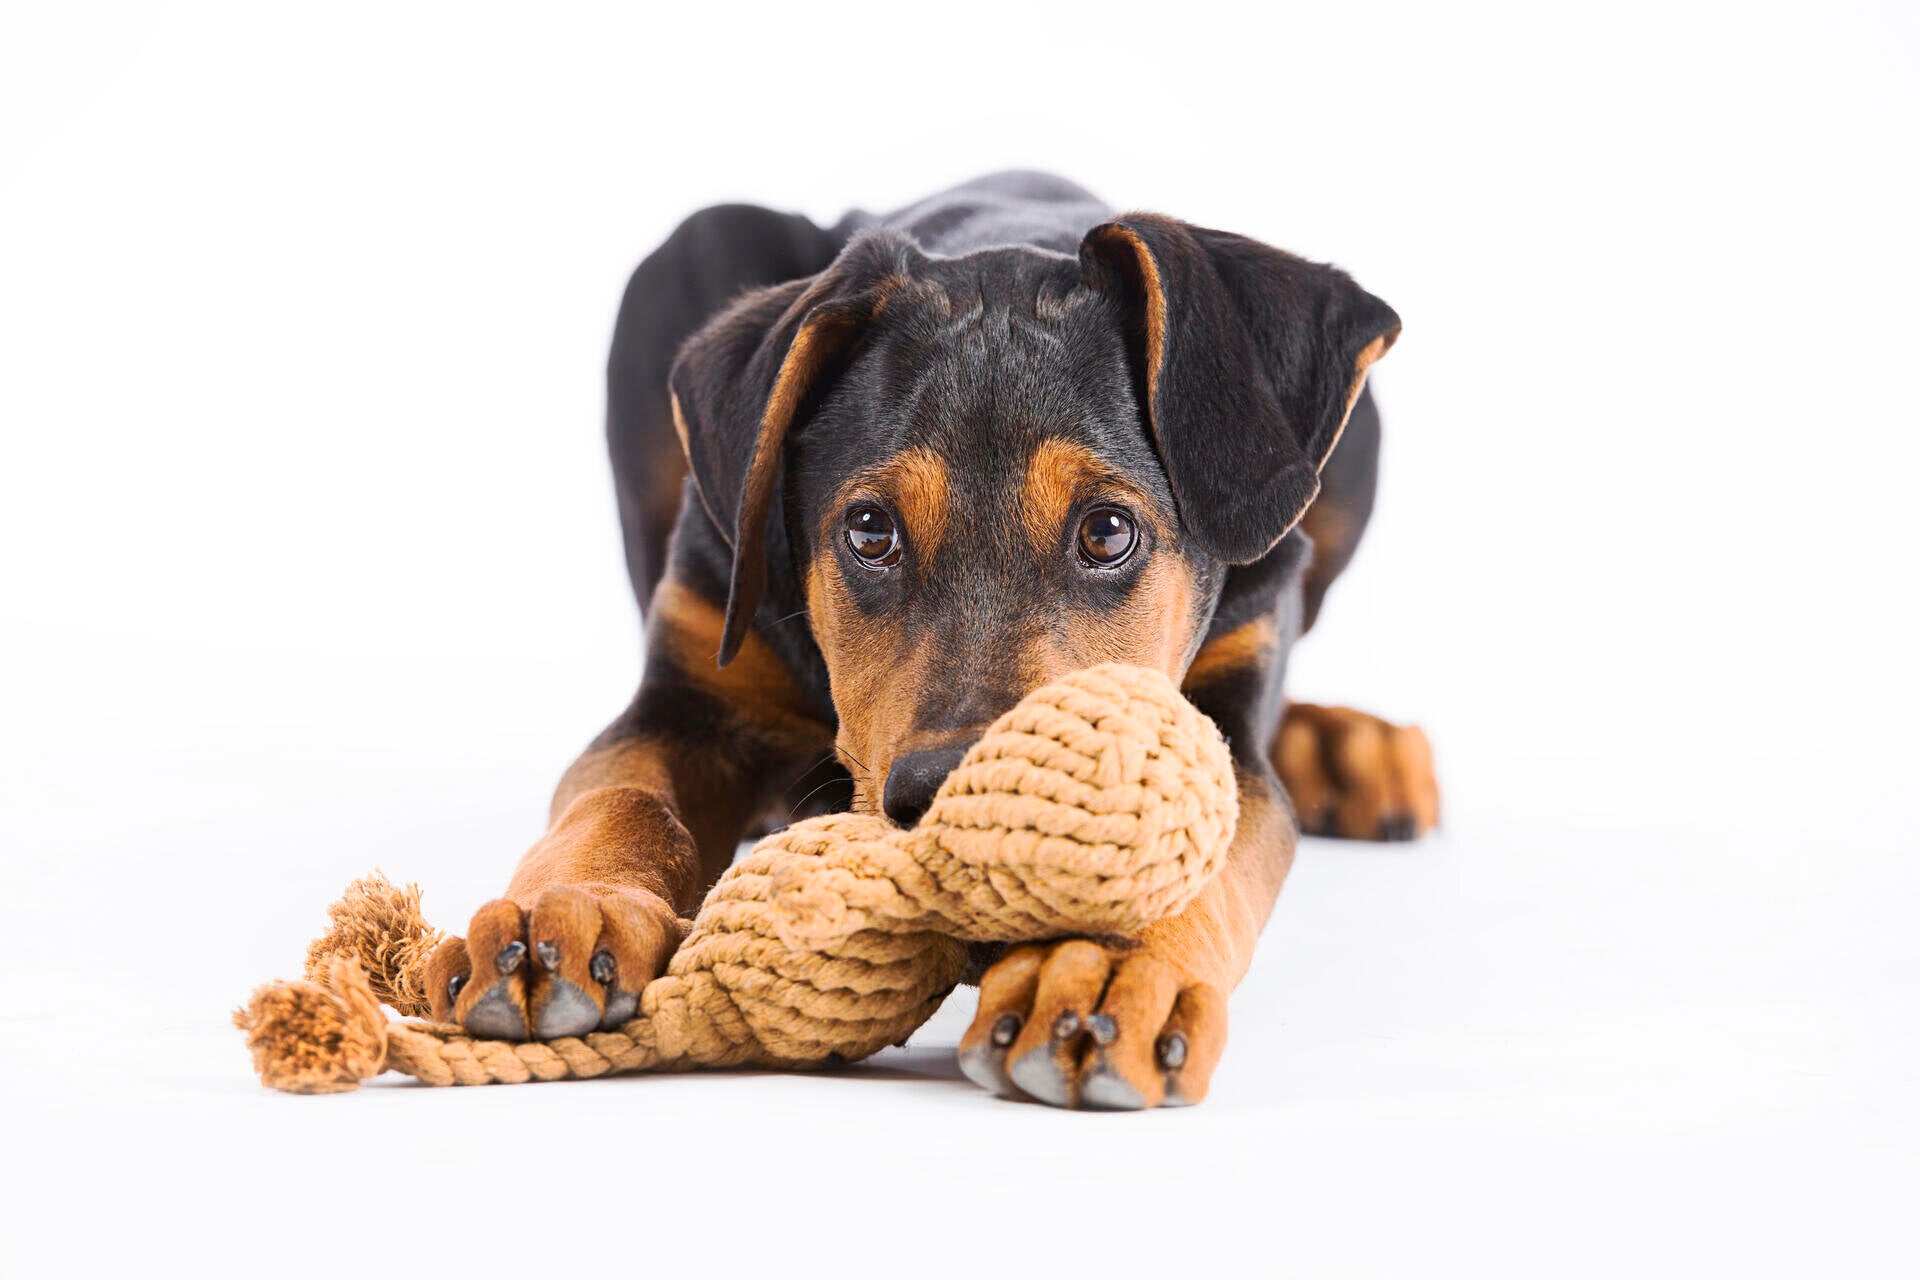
pixel 313 1037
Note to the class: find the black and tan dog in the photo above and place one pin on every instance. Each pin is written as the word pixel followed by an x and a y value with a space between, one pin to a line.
pixel 877 482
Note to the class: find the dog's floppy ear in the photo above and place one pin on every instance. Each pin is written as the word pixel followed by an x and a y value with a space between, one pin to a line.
pixel 746 379
pixel 1253 360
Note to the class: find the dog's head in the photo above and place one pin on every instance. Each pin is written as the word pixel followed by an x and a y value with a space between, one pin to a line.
pixel 991 470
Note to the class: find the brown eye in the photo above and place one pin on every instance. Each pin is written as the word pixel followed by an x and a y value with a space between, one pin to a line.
pixel 871 534
pixel 1107 536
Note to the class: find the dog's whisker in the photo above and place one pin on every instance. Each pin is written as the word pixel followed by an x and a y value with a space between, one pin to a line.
pixel 803 775
pixel 811 794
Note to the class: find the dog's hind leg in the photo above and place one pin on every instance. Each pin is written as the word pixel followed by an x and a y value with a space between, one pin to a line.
pixel 1354 775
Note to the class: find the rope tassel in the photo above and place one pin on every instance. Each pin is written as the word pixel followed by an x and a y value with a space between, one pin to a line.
pixel 1099 805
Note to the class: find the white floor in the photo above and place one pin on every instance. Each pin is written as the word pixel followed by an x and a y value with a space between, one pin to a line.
pixel 1676 1039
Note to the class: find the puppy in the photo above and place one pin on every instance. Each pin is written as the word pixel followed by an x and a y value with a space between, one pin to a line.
pixel 878 481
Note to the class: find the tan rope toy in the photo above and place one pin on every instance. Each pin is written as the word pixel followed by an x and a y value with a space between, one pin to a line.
pixel 1097 805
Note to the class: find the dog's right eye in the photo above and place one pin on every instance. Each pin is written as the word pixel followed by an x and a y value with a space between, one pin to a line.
pixel 873 537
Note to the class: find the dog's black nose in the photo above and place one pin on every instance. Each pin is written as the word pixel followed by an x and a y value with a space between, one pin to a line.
pixel 913 780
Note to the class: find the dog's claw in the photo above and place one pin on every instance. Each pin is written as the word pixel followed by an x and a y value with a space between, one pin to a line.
pixel 496 1016
pixel 1005 1030
pixel 1037 1073
pixel 567 1011
pixel 1104 1089
pixel 1103 1029
pixel 1397 828
pixel 602 967
pixel 621 1006
pixel 454 984
pixel 1173 1051
pixel 1067 1024
pixel 508 958
pixel 549 953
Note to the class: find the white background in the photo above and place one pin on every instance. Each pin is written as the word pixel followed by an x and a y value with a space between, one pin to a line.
pixel 310 566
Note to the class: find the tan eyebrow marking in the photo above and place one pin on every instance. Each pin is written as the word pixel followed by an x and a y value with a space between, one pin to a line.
pixel 1059 473
pixel 916 482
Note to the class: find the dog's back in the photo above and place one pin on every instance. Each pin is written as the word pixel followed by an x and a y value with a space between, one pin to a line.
pixel 1017 207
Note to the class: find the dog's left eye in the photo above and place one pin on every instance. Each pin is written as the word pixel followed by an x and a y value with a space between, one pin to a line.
pixel 873 537
pixel 1107 536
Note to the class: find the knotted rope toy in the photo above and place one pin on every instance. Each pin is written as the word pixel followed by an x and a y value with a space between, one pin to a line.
pixel 1097 805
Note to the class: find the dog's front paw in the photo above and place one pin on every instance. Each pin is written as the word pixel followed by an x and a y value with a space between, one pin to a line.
pixel 575 962
pixel 1075 1024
